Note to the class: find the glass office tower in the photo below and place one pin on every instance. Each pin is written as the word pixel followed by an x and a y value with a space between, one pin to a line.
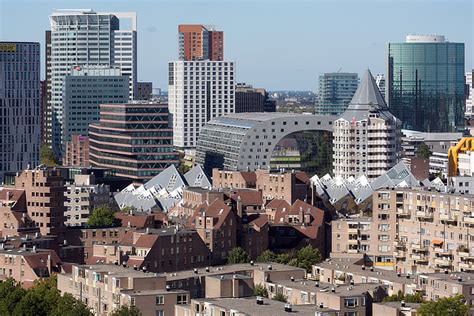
pixel 425 83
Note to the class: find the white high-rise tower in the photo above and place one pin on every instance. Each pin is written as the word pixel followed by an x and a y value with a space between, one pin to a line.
pixel 85 37
pixel 366 136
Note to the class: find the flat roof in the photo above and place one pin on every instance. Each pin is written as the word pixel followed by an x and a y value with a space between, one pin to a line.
pixel 249 306
pixel 228 269
pixel 348 265
pixel 151 292
pixel 466 277
pixel 342 290
pixel 119 271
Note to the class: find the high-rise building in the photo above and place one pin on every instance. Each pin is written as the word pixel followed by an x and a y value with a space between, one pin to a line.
pixel 381 83
pixel 77 152
pixel 144 90
pixel 367 135
pixel 20 105
pixel 134 139
pixel 85 37
pixel 46 128
pixel 200 42
pixel 425 83
pixel 470 96
pixel 84 89
pixel 197 92
pixel 249 99
pixel 336 90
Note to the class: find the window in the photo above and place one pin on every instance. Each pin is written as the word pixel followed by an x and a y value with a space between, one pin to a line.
pixel 160 300
pixel 182 299
pixel 350 302
pixel 160 313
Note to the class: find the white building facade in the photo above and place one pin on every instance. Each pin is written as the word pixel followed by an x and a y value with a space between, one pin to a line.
pixel 197 92
pixel 85 37
pixel 367 136
pixel 470 98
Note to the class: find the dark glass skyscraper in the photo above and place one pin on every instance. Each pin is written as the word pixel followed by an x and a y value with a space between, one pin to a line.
pixel 425 83
pixel 19 106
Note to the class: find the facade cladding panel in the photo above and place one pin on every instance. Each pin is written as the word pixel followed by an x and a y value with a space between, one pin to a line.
pixel 20 116
pixel 134 139
pixel 245 141
pixel 426 88
pixel 335 92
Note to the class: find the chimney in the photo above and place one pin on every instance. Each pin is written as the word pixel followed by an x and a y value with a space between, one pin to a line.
pixel 300 215
pixel 251 262
pixel 239 207
pixel 321 305
pixel 333 289
pixel 50 264
pixel 402 303
pixel 195 271
pixel 34 249
pixel 269 267
pixel 316 284
pixel 288 307
pixel 292 278
pixel 207 269
pixel 363 267
pixel 259 300
pixel 168 288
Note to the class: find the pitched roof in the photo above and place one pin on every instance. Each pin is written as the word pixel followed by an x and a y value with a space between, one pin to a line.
pixel 248 176
pixel 367 98
pixel 146 241
pixel 258 220
pixel 248 197
pixel 278 204
pixel 217 209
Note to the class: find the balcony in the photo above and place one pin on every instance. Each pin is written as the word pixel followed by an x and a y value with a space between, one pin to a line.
pixel 469 220
pixel 400 244
pixel 443 262
pixel 424 215
pixel 419 248
pixel 353 230
pixel 401 212
pixel 448 218
pixel 465 255
pixel 353 241
pixel 466 266
pixel 420 259
pixel 399 254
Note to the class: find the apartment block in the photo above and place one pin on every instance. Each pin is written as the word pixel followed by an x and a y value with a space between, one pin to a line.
pixel 27 265
pixel 197 92
pixel 439 285
pixel 76 151
pixel 45 198
pixel 82 197
pixel 200 42
pixel 227 179
pixel 104 288
pixel 14 219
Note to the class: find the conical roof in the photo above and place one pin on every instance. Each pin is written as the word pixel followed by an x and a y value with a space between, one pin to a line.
pixel 366 98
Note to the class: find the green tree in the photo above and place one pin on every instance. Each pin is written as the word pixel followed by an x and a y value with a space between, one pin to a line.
pixel 409 298
pixel 266 256
pixel 453 306
pixel 260 290
pixel 69 306
pixel 279 297
pixel 237 255
pixel 126 310
pixel 308 256
pixel 423 151
pixel 283 258
pixel 47 156
pixel 101 216
pixel 11 294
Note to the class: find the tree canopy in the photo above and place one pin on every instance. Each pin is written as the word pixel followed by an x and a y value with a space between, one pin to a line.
pixel 43 299
pixel 126 310
pixel 408 298
pixel 102 215
pixel 237 255
pixel 303 258
pixel 423 151
pixel 47 156
pixel 453 306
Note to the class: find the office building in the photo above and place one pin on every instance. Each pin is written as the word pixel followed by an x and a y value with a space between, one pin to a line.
pixel 425 83
pixel 77 152
pixel 144 90
pixel 82 196
pixel 46 110
pixel 249 99
pixel 20 106
pixel 335 92
pixel 83 91
pixel 85 37
pixel 134 139
pixel 198 91
pixel 470 94
pixel 200 42
pixel 381 83
pixel 367 135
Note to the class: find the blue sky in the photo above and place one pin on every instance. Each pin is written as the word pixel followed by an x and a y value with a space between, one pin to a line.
pixel 276 44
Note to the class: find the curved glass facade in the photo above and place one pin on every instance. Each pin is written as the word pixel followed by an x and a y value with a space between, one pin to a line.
pixel 426 85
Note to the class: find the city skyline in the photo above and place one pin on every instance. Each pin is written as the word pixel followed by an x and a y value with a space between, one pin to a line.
pixel 279 61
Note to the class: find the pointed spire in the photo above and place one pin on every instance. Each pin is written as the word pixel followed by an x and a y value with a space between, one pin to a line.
pixel 368 95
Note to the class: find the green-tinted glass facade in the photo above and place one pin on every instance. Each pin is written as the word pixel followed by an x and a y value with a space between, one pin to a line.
pixel 425 85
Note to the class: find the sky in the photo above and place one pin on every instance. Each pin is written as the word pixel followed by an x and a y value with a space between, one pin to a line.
pixel 276 44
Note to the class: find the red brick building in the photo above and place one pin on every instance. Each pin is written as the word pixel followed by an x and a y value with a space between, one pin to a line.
pixel 200 42
pixel 77 152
